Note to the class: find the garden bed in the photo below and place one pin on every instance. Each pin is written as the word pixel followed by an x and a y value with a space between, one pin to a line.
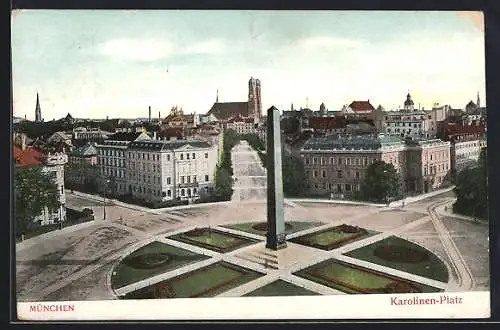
pixel 150 260
pixel 207 281
pixel 355 279
pixel 400 254
pixel 213 239
pixel 332 238
pixel 260 228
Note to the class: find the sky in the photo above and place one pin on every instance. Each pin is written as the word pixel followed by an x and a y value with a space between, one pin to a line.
pixel 97 64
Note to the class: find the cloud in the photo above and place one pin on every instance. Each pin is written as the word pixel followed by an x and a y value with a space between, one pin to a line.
pixel 152 49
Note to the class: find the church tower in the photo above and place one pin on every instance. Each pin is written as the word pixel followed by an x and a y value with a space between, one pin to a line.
pixel 38 111
pixel 254 99
pixel 408 105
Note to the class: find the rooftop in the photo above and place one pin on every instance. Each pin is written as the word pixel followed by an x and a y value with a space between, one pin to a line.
pixel 167 145
pixel 352 142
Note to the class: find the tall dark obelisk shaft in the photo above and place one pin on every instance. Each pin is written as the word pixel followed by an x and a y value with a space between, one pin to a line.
pixel 275 203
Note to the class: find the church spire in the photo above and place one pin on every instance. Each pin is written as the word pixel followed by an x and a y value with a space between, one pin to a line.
pixel 38 111
pixel 478 103
pixel 217 97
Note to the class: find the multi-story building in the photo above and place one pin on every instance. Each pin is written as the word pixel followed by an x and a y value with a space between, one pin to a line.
pixel 93 134
pixel 82 166
pixel 242 125
pixel 428 165
pixel 336 164
pixel 163 170
pixel 466 143
pixel 111 154
pixel 52 165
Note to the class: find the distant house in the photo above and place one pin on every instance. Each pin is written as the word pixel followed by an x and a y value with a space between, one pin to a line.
pixel 82 166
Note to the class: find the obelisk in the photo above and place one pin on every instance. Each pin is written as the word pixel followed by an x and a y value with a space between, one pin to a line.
pixel 276 237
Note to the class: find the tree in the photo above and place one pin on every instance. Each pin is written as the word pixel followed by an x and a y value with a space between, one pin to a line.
pixel 34 191
pixel 381 183
pixel 471 190
pixel 294 178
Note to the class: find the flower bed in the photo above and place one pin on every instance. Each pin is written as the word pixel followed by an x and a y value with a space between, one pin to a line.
pixel 222 242
pixel 345 235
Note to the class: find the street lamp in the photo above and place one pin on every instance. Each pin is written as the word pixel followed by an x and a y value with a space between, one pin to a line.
pixel 105 188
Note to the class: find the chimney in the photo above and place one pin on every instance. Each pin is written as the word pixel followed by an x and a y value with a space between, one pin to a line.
pixel 154 135
pixel 149 116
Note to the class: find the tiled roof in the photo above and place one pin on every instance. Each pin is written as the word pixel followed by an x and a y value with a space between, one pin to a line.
pixel 327 122
pixel 351 142
pixel 166 145
pixel 124 136
pixel 87 150
pixel 27 157
pixel 361 106
pixel 171 132
pixel 226 110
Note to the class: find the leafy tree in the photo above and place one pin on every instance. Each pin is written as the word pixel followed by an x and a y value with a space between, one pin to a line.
pixel 254 141
pixel 294 178
pixel 34 190
pixel 471 189
pixel 381 183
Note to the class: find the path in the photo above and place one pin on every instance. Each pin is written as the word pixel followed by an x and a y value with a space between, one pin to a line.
pixel 250 180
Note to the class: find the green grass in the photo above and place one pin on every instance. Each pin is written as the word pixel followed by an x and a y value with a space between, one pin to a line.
pixel 297 226
pixel 355 276
pixel 432 268
pixel 280 288
pixel 329 237
pixel 208 281
pixel 124 274
pixel 214 240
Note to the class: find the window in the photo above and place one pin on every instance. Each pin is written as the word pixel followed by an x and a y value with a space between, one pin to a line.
pixel 168 158
pixel 339 174
pixel 194 155
pixel 183 192
pixel 357 175
pixel 323 174
pixel 206 154
pixel 188 179
pixel 194 178
pixel 347 187
pixel 307 161
pixel 182 178
pixel 168 180
pixel 206 177
pixel 332 160
pixel 187 156
pixel 315 160
pixel 169 193
pixel 182 156
pixel 315 174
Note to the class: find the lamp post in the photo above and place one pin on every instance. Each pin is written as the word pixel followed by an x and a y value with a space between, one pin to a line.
pixel 105 188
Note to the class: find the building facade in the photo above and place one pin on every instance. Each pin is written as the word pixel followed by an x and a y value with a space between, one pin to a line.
pixel 52 165
pixel 160 171
pixel 337 164
pixel 82 168
pixel 111 162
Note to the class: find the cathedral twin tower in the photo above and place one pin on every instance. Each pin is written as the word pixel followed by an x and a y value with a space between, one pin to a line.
pixel 254 99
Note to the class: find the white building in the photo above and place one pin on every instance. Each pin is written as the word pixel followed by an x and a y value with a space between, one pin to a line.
pixel 465 153
pixel 242 125
pixel 53 165
pixel 170 170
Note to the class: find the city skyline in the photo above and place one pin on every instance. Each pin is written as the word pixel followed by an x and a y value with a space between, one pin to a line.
pixel 117 63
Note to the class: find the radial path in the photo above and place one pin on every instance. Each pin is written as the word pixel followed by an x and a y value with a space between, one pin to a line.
pixel 250 181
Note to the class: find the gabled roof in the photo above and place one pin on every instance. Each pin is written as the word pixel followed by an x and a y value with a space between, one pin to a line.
pixel 327 122
pixel 27 157
pixel 226 110
pixel 87 150
pixel 126 136
pixel 358 106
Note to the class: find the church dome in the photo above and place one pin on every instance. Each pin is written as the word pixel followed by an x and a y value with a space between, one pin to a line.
pixel 408 101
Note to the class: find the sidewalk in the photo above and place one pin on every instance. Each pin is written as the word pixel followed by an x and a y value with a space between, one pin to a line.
pixel 446 210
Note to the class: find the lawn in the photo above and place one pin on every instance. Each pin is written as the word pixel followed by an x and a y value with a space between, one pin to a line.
pixel 126 272
pixel 405 256
pixel 333 238
pixel 208 281
pixel 213 239
pixel 280 288
pixel 290 227
pixel 352 279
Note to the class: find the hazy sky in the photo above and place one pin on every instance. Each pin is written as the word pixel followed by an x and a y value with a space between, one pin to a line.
pixel 117 63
